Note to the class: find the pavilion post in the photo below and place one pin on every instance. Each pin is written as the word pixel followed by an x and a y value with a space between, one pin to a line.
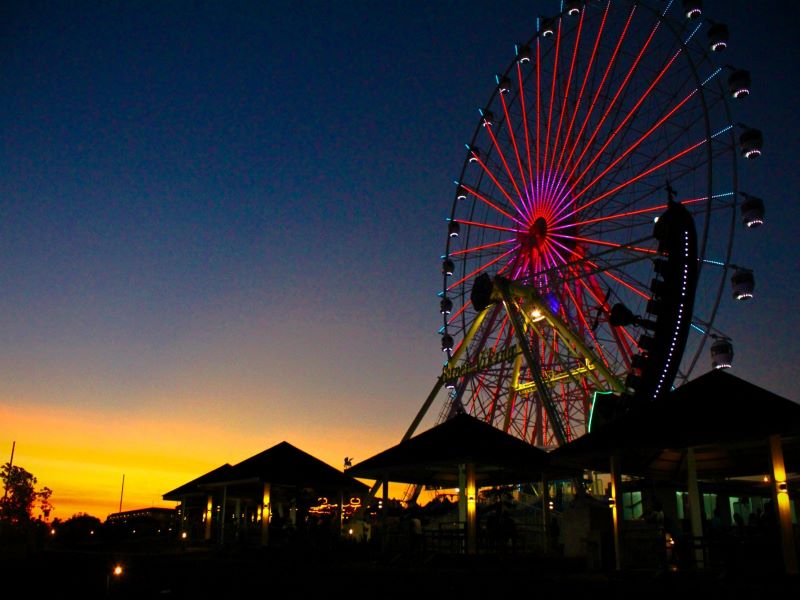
pixel 545 512
pixel 207 517
pixel 472 514
pixel 224 506
pixel 462 497
pixel 695 506
pixel 780 492
pixel 614 501
pixel 266 511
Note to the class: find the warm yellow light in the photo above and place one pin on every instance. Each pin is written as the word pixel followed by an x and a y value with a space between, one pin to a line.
pixel 183 535
pixel 765 479
pixel 536 315
pixel 783 487
pixel 52 532
pixel 118 570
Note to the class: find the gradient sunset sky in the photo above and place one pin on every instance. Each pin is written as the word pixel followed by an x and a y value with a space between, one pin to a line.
pixel 221 222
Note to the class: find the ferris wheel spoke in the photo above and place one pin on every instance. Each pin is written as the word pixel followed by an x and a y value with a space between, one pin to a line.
pixel 508 171
pixel 525 126
pixel 550 109
pixel 633 146
pixel 631 213
pixel 482 247
pixel 635 178
pixel 480 269
pixel 599 89
pixel 622 155
pixel 622 87
pixel 606 244
pixel 588 70
pixel 526 199
pixel 551 168
pixel 497 183
pixel 491 204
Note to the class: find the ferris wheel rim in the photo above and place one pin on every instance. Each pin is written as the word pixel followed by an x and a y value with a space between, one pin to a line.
pixel 497 95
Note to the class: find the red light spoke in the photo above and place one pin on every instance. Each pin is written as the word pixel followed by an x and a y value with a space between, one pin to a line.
pixel 586 326
pixel 552 101
pixel 636 291
pixel 508 170
pixel 608 244
pixel 525 124
pixel 479 269
pixel 566 93
pixel 488 226
pixel 491 204
pixel 538 116
pixel 634 179
pixel 456 314
pixel 497 183
pixel 610 106
pixel 630 213
pixel 516 154
pixel 481 247
pixel 630 149
pixel 599 89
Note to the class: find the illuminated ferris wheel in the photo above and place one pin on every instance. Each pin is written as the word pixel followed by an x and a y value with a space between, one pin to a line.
pixel 590 237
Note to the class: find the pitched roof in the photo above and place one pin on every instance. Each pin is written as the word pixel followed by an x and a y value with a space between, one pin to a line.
pixel 286 464
pixel 193 487
pixel 728 417
pixel 432 457
pixel 282 464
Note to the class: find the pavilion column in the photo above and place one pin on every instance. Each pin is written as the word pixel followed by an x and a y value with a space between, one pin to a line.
pixel 208 517
pixel 238 519
pixel 614 501
pixel 472 514
pixel 224 512
pixel 695 505
pixel 266 512
pixel 780 493
pixel 545 513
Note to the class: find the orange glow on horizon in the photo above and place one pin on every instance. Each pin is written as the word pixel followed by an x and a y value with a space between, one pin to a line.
pixel 82 454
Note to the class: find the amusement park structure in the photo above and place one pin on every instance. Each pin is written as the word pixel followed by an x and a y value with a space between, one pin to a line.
pixel 590 237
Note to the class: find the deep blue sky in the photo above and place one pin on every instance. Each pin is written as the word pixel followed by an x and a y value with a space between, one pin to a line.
pixel 235 211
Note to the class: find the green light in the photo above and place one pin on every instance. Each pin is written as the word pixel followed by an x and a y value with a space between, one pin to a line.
pixel 591 410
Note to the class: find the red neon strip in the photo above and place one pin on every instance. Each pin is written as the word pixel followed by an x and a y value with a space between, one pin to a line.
pixel 578 308
pixel 538 115
pixel 626 214
pixel 497 183
pixel 525 123
pixel 508 169
pixel 488 226
pixel 633 146
pixel 566 92
pixel 614 100
pixel 516 153
pixel 600 87
pixel 609 244
pixel 483 247
pixel 618 280
pixel 479 269
pixel 552 96
pixel 635 179
pixel 456 314
pixel 583 85
pixel 488 202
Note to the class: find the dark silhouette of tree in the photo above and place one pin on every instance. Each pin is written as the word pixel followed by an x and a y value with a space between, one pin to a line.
pixel 20 496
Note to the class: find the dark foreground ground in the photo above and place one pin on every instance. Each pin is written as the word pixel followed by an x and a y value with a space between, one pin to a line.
pixel 173 572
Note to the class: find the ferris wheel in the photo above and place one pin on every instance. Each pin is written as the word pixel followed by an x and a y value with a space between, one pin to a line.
pixel 590 238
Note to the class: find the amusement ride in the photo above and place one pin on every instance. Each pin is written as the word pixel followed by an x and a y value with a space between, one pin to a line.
pixel 590 237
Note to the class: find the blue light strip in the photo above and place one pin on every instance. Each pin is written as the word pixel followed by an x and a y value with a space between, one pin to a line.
pixel 697 328
pixel 710 77
pixel 691 35
pixel 721 131
pixel 708 261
